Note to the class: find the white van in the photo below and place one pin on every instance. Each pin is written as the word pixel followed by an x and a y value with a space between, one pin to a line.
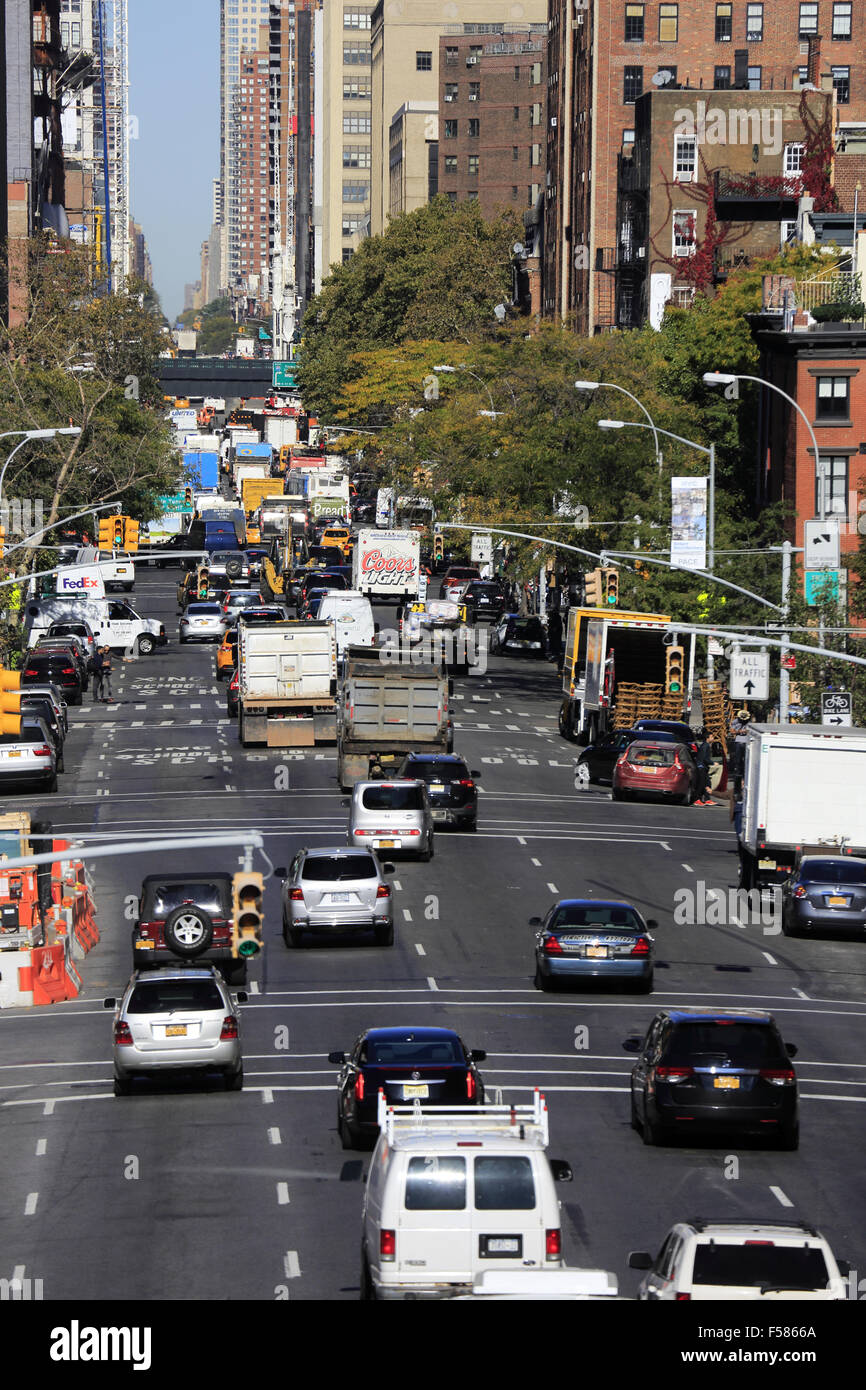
pixel 352 615
pixel 116 566
pixel 112 621
pixel 455 1191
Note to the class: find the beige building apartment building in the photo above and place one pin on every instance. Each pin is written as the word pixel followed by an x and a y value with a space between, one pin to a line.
pixel 346 114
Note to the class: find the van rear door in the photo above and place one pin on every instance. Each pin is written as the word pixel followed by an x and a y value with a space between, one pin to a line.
pixel 434 1234
pixel 507 1218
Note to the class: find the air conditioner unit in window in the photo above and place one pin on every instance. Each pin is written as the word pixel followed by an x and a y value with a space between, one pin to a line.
pixel 553 121
pixel 579 17
pixel 472 60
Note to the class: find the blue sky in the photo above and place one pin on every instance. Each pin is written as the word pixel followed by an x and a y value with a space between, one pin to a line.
pixel 174 93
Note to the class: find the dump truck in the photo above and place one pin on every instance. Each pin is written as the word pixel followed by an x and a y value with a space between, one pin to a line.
pixel 387 709
pixel 287 684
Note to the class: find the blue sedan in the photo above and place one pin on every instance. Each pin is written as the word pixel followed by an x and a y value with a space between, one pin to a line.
pixel 581 938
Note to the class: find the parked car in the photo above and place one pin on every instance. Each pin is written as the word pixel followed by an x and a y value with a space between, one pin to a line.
pixel 188 918
pixel 71 648
pixel 597 761
pixel 723 1071
pixel 42 667
pixel 516 636
pixel 28 757
pixel 825 893
pixel 393 815
pixel 328 890
pixel 42 707
pixel 58 703
pixel 432 1065
pixel 581 938
pixel 451 787
pixel 174 1021
pixel 680 730
pixel 656 769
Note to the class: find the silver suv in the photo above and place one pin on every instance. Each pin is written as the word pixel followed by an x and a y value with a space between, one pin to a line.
pixel 393 815
pixel 176 1021
pixel 337 890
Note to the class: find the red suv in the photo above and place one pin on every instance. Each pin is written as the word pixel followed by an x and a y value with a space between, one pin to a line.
pixel 186 917
pixel 655 769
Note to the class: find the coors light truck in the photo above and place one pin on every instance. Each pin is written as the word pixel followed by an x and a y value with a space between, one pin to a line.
pixel 387 565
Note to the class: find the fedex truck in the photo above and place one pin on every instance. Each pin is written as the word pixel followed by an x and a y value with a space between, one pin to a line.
pixel 387 564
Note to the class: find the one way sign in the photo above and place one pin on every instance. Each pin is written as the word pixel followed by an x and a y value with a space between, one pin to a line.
pixel 821 545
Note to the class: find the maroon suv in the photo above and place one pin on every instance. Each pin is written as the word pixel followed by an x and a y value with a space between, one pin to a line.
pixel 186 917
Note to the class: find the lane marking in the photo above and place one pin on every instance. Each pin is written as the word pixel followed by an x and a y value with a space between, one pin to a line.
pixel 407 914
pixel 41 1147
pixel 398 885
pixel 283 1194
pixel 420 949
pixel 537 863
pixel 688 868
pixel 30 1204
pixel 780 1196
pixel 432 983
pixel 771 960
pixel 267 1097
pixel 291 1265
pixel 799 993
pixel 274 1136
pixel 254 987
pixel 520 840
pixel 552 888
pixel 49 1108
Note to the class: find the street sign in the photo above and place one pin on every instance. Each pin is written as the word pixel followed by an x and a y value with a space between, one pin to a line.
pixel 482 548
pixel 823 586
pixel 821 545
pixel 283 375
pixel 750 676
pixel 836 708
pixel 172 502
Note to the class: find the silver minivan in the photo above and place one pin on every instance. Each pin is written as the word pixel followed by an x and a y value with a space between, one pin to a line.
pixel 393 816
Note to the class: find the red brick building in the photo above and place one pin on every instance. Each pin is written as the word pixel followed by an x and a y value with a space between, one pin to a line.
pixel 492 117
pixel 603 56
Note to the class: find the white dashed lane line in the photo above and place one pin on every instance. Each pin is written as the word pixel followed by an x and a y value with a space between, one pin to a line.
pixel 781 1197
pixel 274 1136
pixel 420 949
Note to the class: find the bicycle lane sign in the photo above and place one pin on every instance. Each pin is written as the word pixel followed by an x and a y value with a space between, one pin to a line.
pixel 836 708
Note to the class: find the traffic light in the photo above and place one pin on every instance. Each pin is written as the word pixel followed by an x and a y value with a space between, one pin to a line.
pixel 611 587
pixel 10 701
pixel 2 540
pixel 187 499
pixel 106 532
pixel 592 582
pixel 118 523
pixel 674 659
pixel 438 547
pixel 130 534
pixel 202 581
pixel 247 914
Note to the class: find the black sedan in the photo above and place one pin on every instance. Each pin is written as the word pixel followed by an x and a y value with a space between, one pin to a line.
pixel 825 893
pixel 431 1065
pixel 450 785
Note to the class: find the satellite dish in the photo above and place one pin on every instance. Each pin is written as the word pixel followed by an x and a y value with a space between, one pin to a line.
pixel 662 77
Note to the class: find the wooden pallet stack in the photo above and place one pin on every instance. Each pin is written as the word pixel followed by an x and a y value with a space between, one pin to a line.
pixel 717 711
pixel 635 702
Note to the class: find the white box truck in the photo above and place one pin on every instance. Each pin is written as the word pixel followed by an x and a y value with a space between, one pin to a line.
pixel 387 564
pixel 287 684
pixel 802 793
pixel 281 431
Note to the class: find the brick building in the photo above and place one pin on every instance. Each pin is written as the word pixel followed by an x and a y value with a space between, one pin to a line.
pixel 603 57
pixel 492 108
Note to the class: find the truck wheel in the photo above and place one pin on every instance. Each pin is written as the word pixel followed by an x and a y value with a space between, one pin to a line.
pixel 566 728
pixel 146 644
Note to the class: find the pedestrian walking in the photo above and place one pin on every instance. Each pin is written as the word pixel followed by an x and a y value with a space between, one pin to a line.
pixel 106 675
pixel 98 672
pixel 703 758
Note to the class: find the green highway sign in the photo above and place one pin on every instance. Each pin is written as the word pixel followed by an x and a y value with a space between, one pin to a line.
pixel 284 375
pixel 172 502
pixel 823 586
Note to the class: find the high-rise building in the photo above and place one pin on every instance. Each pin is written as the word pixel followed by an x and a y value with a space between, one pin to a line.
pixel 345 142
pixel 240 22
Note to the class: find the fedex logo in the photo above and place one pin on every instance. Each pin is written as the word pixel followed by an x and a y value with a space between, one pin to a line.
pixel 82 583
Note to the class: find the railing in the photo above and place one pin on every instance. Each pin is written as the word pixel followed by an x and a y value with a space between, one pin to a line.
pixel 828 288
pixel 734 187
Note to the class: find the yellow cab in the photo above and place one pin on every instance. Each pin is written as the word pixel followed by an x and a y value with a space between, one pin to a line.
pixel 227 655
pixel 339 537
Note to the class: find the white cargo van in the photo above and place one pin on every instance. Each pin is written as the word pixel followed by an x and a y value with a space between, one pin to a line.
pixel 111 620
pixel 455 1191
pixel 352 616
pixel 116 566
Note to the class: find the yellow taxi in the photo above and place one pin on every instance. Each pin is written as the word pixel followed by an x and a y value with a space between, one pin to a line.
pixel 227 655
pixel 339 537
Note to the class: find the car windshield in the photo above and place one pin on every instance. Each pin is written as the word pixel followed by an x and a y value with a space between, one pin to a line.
pixel 171 996
pixel 457 573
pixel 525 629
pixel 581 915
pixel 391 798
pixel 760 1262
pixel 651 755
pixel 337 868
pixel 745 1044
pixel 410 1053
pixel 832 871
pixel 162 898
pixel 438 772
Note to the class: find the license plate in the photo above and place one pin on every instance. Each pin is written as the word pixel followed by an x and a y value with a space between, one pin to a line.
pixel 726 1083
pixel 766 863
pixel 385 844
pixel 416 1092
pixel 437 786
pixel 175 1030
pixel 340 897
pixel 144 945
pixel 14 753
pixel 836 900
pixel 503 1245
pixel 597 952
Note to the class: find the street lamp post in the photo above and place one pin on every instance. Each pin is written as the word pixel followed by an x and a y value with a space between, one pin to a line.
pixel 463 368
pixel 31 434
pixel 612 386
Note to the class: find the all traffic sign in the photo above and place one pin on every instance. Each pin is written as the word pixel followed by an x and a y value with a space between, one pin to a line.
pixel 750 675
pixel 836 708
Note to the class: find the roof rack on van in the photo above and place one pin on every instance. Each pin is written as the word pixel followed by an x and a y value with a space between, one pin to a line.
pixel 525 1121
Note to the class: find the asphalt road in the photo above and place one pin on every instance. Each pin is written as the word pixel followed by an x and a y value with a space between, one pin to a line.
pixel 159 1195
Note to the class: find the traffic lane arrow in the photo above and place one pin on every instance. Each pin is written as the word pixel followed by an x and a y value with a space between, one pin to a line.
pixel 748 686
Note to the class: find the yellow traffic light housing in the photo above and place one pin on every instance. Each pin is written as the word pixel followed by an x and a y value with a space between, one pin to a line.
pixel 106 533
pixel 611 587
pixel 202 581
pixel 10 701
pixel 118 523
pixel 130 534
pixel 187 499
pixel 592 582
pixel 674 663
pixel 247 914
pixel 438 547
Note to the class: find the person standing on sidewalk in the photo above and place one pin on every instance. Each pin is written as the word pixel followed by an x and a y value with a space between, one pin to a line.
pixel 554 636
pixel 106 675
pixel 703 758
pixel 98 671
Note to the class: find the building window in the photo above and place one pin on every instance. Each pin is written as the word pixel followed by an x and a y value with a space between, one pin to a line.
pixel 684 232
pixel 722 78
pixel 474 91
pixel 354 124
pixel 452 198
pixel 754 79
pixel 517 113
pixel 754 23
pixel 835 468
pixel 472 166
pixel 356 19
pixel 356 156
pixel 787 233
pixel 355 192
pixel 792 162
pixel 515 151
pixel 628 137
pixel 475 52
pixel 668 23
pixel 516 72
pixel 682 296
pixel 351 225
pixel 450 130
pixel 515 191
pixel 685 158
pixel 632 85
pixel 452 91
pixel 666 76
pixel 474 130
pixel 347 254
pixel 356 88
pixel 842 84
pixel 423 60
pixel 723 22
pixel 634 23
pixel 842 22
pixel 451 164
pixel 451 56
pixel 356 55
pixel 534 156
pixel 831 398
pixel 808 19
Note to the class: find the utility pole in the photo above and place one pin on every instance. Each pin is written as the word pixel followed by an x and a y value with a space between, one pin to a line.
pixel 784 674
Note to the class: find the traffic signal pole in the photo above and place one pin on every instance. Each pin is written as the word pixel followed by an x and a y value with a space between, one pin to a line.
pixel 247 839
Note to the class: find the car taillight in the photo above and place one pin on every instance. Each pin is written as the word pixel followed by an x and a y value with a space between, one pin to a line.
pixel 621 759
pixel 640 947
pixel 674 1073
pixel 553 1244
pixel 368 832
pixel 411 832
pixel 759 1242
pixel 229 1029
pixel 387 1245
pixel 466 782
pixel 42 751
pixel 122 1035
pixel 552 946
pixel 799 891
pixel 470 1086
pixel 784 1077
pixel 31 671
pixel 686 1297
pixel 67 671
pixel 383 891
pixel 297 895
pixel 359 1086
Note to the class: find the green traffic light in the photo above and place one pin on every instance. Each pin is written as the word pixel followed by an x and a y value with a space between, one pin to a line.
pixel 248 948
pixel 611 598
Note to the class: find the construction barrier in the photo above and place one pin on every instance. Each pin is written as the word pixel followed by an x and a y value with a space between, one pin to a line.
pixel 50 981
pixel 16 979
pixel 47 974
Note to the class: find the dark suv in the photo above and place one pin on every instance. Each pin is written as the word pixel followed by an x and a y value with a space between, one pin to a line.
pixel 43 667
pixel 706 1070
pixel 484 598
pixel 186 917
pixel 450 786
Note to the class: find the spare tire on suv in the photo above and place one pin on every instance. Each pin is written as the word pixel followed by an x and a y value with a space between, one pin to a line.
pixel 188 930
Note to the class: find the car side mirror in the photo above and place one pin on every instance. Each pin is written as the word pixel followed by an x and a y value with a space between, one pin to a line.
pixel 478 1055
pixel 389 868
pixel 844 1268
pixel 242 996
pixel 535 921
pixel 640 1259
pixel 631 1045
pixel 791 1049
pixel 651 922
pixel 561 1170
pixel 109 1003
pixel 338 1058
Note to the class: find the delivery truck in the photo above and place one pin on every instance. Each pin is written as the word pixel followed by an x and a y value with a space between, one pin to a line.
pixel 802 794
pixel 253 493
pixel 201 466
pixel 281 431
pixel 287 684
pixel 387 709
pixel 387 565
